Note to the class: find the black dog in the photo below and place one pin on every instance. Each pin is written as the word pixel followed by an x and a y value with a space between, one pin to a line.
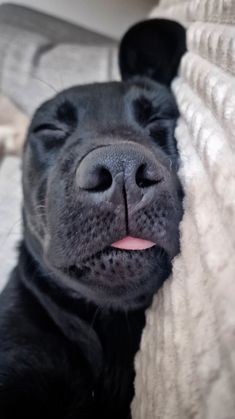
pixel 102 206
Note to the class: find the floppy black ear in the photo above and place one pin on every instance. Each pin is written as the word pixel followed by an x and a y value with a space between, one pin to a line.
pixel 152 48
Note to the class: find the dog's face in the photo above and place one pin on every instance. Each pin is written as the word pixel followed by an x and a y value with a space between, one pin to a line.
pixel 102 201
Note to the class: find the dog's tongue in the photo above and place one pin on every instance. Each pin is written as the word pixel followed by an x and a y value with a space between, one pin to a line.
pixel 132 243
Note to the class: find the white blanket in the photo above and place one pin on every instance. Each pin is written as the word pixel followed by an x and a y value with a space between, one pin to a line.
pixel 186 365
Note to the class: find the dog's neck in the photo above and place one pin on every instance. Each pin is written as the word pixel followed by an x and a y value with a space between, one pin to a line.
pixel 88 326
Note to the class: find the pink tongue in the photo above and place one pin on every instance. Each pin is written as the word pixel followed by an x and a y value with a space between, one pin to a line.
pixel 132 243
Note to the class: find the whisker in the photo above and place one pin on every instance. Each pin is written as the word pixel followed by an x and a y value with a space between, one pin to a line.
pixel 6 237
pixel 36 78
pixel 7 43
pixel 99 309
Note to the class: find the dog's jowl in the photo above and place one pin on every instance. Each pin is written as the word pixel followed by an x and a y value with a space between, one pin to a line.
pixel 101 212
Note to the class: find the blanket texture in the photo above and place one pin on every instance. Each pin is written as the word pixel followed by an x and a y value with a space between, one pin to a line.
pixel 41 55
pixel 186 365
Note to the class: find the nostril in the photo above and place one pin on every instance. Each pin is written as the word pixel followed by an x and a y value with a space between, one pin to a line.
pixel 143 178
pixel 102 180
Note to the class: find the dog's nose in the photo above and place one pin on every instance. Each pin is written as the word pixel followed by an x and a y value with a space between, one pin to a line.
pixel 108 170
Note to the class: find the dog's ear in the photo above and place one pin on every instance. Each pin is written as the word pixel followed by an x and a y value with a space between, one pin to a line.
pixel 152 48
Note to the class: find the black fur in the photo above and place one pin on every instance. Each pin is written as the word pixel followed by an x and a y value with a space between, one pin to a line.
pixel 152 48
pixel 100 162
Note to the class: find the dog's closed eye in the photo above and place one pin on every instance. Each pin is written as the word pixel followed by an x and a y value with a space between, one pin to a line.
pixel 159 133
pixel 147 112
pixel 64 121
pixel 143 110
pixel 47 127
pixel 50 135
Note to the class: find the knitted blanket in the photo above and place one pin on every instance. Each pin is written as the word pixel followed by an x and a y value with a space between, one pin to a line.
pixel 186 365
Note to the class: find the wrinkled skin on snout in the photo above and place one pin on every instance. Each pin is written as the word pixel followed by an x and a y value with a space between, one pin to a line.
pixel 100 163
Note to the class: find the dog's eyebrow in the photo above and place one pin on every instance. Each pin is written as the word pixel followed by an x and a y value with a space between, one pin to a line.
pixel 67 113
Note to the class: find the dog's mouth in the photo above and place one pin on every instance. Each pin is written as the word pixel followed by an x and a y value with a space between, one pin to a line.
pixel 121 260
pixel 122 270
pixel 117 276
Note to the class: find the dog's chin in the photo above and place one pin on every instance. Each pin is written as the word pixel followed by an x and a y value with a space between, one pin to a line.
pixel 118 279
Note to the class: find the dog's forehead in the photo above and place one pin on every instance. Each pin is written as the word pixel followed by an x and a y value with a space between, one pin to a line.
pixel 103 93
pixel 99 100
pixel 106 105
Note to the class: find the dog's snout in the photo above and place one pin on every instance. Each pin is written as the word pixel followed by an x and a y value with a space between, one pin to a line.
pixel 110 168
